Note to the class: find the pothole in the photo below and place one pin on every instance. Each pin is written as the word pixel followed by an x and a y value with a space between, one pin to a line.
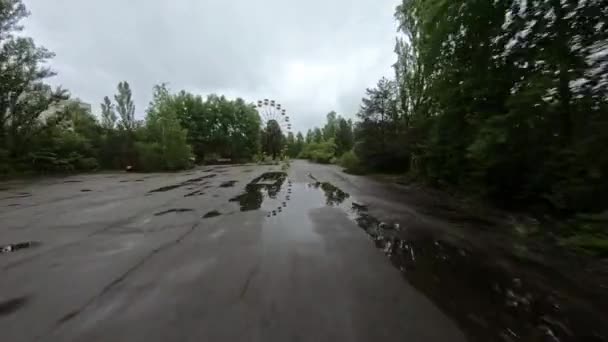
pixel 182 184
pixel 10 306
pixel 86 190
pixel 228 184
pixel 14 247
pixel 177 210
pixel 268 185
pixel 211 214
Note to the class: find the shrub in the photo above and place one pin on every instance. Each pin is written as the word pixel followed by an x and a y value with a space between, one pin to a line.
pixel 149 156
pixel 87 164
pixel 322 152
pixel 350 162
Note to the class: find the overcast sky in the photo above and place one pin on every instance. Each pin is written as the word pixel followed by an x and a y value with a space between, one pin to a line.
pixel 313 56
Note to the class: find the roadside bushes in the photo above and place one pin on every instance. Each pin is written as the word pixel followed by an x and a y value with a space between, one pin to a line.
pixel 351 163
pixel 322 152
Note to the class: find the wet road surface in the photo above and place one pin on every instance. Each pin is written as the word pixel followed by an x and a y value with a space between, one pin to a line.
pixel 252 253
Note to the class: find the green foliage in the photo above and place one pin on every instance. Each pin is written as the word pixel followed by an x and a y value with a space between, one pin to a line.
pixel 166 133
pixel 344 136
pixel 124 106
pixel 272 139
pixel 323 145
pixel 322 152
pixel 507 99
pixel 351 163
pixel 220 126
pixel 149 156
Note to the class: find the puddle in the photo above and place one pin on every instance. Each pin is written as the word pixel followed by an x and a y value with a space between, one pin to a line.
pixel 490 298
pixel 182 184
pixel 228 184
pixel 211 214
pixel 72 181
pixel 334 196
pixel 179 210
pixel 18 246
pixel 10 306
pixel 268 185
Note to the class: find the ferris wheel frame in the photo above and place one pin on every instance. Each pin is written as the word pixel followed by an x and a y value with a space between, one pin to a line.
pixel 271 110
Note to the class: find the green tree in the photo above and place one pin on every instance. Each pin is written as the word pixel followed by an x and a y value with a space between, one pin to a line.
pixel 344 136
pixel 165 132
pixel 317 135
pixel 108 115
pixel 125 107
pixel 273 143
pixel 309 136
pixel 331 126
pixel 23 95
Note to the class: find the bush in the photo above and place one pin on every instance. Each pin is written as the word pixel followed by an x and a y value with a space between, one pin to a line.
pixel 322 152
pixel 149 156
pixel 350 162
pixel 87 164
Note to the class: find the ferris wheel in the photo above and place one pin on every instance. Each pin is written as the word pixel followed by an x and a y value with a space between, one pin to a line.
pixel 271 110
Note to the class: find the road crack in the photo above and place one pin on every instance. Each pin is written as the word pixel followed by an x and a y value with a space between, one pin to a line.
pixel 75 313
pixel 250 277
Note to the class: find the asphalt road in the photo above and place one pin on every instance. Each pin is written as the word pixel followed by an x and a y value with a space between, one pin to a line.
pixel 169 257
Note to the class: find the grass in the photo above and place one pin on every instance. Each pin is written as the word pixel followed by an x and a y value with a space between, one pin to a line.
pixel 593 244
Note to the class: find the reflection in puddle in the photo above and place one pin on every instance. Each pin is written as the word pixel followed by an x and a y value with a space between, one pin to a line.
pixel 17 246
pixel 333 194
pixel 489 301
pixel 267 185
pixel 178 210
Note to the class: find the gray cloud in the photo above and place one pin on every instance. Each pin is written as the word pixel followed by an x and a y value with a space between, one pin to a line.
pixel 313 56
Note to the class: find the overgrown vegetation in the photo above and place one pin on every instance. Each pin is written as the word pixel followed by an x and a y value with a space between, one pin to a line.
pixel 324 145
pixel 507 100
pixel 43 130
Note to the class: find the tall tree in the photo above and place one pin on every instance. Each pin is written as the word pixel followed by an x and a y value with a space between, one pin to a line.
pixel 108 115
pixel 331 125
pixel 23 95
pixel 125 106
pixel 317 135
pixel 344 136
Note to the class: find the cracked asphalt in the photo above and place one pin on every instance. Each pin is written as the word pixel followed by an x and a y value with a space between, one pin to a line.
pixel 171 257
